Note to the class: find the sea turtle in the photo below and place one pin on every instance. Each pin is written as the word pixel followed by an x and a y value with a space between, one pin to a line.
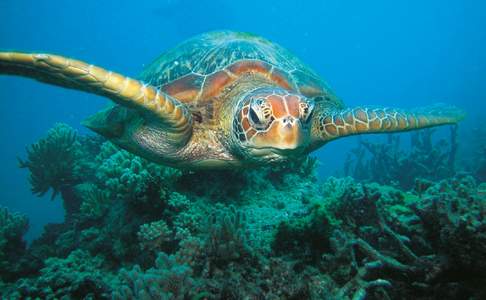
pixel 220 100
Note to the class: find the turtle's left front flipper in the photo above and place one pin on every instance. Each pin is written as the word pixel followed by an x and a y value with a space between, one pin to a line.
pixel 331 125
pixel 74 74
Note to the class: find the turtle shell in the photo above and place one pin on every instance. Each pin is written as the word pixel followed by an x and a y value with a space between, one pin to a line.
pixel 198 69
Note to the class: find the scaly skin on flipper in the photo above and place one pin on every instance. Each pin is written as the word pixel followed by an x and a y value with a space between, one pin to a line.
pixel 74 74
pixel 360 120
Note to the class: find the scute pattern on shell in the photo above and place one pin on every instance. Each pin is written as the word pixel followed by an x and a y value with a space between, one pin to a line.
pixel 211 52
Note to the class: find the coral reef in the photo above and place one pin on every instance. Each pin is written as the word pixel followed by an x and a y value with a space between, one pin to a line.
pixel 128 176
pixel 167 280
pixel 384 243
pixel 478 144
pixel 153 235
pixel 137 230
pixel 226 236
pixel 388 163
pixel 12 246
pixel 78 276
pixel 95 201
pixel 52 161
pixel 455 210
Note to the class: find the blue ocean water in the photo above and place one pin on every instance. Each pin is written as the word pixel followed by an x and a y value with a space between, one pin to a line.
pixel 398 53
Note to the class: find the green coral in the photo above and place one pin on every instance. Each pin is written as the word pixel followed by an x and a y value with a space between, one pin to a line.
pixel 308 234
pixel 12 228
pixel 178 202
pixel 153 235
pixel 454 211
pixel 227 236
pixel 95 201
pixel 188 220
pixel 167 280
pixel 269 233
pixel 127 176
pixel 391 163
pixel 52 161
pixel 78 276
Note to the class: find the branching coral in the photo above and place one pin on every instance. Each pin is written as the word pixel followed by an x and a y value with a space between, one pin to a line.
pixel 284 173
pixel 12 228
pixel 167 280
pixel 306 235
pixel 386 243
pixel 153 235
pixel 269 233
pixel 52 161
pixel 128 176
pixel 77 276
pixel 227 238
pixel 225 185
pixel 455 211
pixel 95 201
pixel 388 163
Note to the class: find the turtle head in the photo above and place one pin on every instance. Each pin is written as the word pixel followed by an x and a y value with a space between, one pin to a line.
pixel 271 124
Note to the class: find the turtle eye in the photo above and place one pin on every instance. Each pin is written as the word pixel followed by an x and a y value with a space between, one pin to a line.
pixel 260 114
pixel 254 117
pixel 306 109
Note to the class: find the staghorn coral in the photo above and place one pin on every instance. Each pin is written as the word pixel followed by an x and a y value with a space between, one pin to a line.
pixel 52 161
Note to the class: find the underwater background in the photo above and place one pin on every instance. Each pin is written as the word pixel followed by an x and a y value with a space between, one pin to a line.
pixel 399 216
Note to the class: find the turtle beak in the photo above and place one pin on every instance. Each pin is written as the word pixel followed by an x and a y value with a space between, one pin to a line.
pixel 284 136
pixel 290 135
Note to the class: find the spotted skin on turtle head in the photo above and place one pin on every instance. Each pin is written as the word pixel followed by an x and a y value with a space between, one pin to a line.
pixel 274 119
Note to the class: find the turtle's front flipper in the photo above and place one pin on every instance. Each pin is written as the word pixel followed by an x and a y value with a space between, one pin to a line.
pixel 360 120
pixel 74 74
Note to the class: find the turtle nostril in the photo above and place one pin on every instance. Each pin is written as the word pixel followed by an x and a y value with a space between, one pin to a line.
pixel 288 120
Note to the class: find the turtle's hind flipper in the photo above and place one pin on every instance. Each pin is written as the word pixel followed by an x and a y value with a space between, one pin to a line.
pixel 361 120
pixel 75 74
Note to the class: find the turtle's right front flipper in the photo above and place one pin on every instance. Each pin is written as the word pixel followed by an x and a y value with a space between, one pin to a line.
pixel 74 74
